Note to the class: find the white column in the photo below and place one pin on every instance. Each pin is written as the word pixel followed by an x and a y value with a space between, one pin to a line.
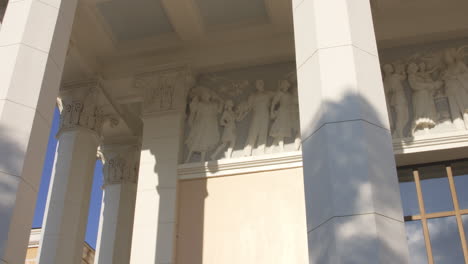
pixel 120 170
pixel 34 38
pixel 353 205
pixel 155 210
pixel 66 213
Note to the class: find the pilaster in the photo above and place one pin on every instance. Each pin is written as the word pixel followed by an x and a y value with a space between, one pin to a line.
pixel 163 116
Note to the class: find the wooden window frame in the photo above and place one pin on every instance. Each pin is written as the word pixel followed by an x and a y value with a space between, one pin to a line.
pixel 423 216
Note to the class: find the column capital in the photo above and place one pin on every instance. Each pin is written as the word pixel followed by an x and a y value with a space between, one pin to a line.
pixel 120 163
pixel 80 107
pixel 164 90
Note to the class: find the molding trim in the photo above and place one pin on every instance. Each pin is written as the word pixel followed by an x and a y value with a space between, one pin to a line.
pixel 432 142
pixel 236 166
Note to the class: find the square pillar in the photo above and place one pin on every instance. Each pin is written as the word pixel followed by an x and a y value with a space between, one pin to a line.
pixel 34 37
pixel 353 204
pixel 155 210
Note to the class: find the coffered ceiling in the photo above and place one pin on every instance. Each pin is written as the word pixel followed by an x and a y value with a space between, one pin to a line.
pixel 119 37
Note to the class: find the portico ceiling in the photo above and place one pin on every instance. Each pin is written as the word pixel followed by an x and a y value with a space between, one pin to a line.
pixel 115 37
pixel 116 33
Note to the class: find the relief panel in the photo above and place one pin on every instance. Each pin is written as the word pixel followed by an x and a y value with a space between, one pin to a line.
pixel 246 112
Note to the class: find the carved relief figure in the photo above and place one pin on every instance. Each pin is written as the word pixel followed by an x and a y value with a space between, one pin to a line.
pixel 393 78
pixel 228 121
pixel 203 123
pixel 456 87
pixel 424 88
pixel 280 112
pixel 259 104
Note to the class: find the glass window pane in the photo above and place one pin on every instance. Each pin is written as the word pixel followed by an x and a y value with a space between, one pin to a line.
pixel 460 173
pixel 465 225
pixel 435 189
pixel 445 240
pixel 409 196
pixel 416 244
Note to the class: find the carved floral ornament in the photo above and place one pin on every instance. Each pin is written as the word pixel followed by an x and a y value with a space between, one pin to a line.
pixel 427 93
pixel 225 115
pixel 120 164
pixel 164 91
pixel 79 107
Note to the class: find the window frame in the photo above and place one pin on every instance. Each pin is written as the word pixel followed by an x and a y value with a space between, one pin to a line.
pixel 424 217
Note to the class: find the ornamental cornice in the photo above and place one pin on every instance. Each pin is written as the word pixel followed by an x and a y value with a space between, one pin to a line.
pixel 240 166
pixel 164 90
pixel 120 163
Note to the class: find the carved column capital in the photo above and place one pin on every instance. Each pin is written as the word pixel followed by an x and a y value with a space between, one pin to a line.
pixel 164 90
pixel 120 163
pixel 79 106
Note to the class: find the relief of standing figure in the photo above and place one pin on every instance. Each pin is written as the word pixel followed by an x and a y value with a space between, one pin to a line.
pixel 280 112
pixel 424 89
pixel 456 87
pixel 203 123
pixel 259 104
pixel 228 121
pixel 393 78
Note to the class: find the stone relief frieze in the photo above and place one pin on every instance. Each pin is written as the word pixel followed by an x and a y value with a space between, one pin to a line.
pixel 427 92
pixel 239 115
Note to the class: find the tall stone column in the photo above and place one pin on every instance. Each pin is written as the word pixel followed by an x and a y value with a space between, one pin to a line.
pixel 353 205
pixel 67 207
pixel 155 210
pixel 34 38
pixel 120 170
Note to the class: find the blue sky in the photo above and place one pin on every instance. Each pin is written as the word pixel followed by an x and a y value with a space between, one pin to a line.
pixel 96 193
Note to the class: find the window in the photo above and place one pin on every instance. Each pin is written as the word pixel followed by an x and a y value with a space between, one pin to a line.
pixel 435 205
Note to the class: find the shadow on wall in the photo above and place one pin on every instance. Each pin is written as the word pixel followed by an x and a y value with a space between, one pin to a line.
pixel 349 169
pixel 11 157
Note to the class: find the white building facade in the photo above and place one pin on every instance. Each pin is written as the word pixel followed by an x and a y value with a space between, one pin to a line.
pixel 235 131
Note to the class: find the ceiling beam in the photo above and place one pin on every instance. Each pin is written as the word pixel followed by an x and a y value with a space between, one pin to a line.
pixel 185 17
pixel 280 13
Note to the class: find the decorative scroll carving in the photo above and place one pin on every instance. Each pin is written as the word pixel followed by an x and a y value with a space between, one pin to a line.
pixel 241 117
pixel 120 163
pixel 164 91
pixel 436 82
pixel 79 108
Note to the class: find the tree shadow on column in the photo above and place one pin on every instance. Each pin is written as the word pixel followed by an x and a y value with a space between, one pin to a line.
pixel 350 175
pixel 11 160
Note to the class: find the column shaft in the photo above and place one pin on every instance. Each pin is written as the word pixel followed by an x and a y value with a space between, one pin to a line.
pixel 118 204
pixel 66 215
pixel 34 38
pixel 353 205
